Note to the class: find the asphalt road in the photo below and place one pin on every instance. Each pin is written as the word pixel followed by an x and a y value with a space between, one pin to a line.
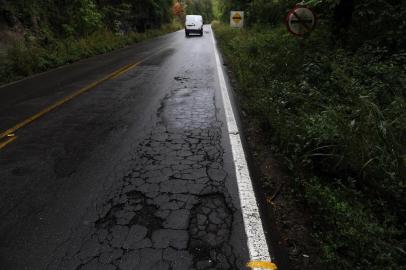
pixel 136 173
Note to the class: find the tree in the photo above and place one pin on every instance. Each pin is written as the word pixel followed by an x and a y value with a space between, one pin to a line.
pixel 178 11
pixel 200 7
pixel 87 18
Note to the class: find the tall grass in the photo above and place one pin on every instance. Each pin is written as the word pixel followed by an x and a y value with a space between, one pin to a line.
pixel 339 118
pixel 29 57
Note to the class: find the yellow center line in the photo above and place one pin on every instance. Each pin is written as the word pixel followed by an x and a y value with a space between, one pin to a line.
pixel 263 265
pixel 27 121
pixel 44 111
pixel 6 142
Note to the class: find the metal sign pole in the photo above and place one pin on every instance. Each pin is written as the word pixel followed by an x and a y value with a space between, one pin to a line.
pixel 301 21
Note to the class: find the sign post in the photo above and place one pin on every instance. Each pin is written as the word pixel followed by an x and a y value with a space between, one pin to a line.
pixel 301 20
pixel 237 19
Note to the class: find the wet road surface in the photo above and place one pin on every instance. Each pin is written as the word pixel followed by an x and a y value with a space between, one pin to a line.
pixel 136 173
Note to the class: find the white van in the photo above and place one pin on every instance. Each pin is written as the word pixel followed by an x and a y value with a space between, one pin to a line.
pixel 194 24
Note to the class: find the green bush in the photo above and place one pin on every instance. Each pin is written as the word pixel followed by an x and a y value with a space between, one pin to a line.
pixel 30 57
pixel 87 19
pixel 353 237
pixel 338 117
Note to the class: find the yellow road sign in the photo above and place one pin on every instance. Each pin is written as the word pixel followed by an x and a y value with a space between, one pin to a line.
pixel 237 19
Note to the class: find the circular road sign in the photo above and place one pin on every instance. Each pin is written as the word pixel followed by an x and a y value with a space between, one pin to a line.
pixel 300 20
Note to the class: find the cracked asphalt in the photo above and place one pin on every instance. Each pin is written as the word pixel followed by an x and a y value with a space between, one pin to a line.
pixel 134 174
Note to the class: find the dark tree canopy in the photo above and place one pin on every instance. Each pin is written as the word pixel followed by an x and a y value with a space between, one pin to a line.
pixel 81 17
pixel 380 20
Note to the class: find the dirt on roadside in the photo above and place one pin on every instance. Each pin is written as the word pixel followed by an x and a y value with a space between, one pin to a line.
pixel 289 223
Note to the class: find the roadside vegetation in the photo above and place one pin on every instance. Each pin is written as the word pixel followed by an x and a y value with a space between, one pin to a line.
pixel 45 34
pixel 206 8
pixel 333 107
pixel 29 57
pixel 39 35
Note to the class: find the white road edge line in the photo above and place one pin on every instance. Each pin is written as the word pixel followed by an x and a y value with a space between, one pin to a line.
pixel 256 241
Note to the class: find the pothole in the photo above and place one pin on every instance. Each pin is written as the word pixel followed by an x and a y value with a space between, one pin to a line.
pixel 210 228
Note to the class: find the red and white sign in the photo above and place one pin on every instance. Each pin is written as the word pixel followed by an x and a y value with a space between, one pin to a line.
pixel 300 20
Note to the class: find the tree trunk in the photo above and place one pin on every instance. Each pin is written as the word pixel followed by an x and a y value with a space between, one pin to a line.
pixel 343 15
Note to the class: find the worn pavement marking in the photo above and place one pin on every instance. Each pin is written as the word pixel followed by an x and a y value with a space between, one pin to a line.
pixel 256 241
pixel 7 140
pixel 64 100
pixel 263 265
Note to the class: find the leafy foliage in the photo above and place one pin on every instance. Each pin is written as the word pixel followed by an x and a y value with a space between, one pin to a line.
pixel 337 114
pixel 352 231
pixel 87 18
pixel 334 104
pixel 59 32
pixel 200 7
pixel 28 58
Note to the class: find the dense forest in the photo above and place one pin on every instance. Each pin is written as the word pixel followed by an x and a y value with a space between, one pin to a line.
pixel 38 35
pixel 332 105
pixel 82 17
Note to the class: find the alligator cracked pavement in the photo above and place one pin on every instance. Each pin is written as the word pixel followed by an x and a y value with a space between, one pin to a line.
pixel 172 210
pixel 160 192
